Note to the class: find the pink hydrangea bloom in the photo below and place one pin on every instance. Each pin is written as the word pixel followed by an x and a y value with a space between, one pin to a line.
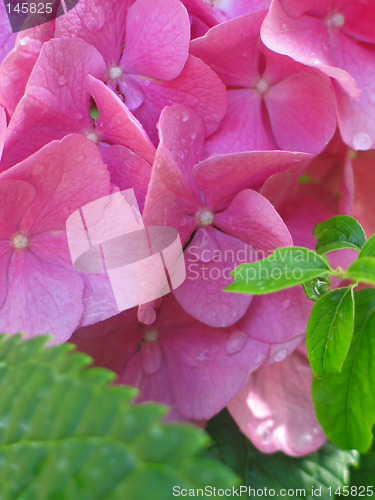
pixel 337 38
pixel 273 102
pixel 215 207
pixel 40 292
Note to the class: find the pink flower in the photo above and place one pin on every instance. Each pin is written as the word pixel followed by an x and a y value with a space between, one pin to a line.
pixel 364 181
pixel 275 411
pixel 57 103
pixel 40 292
pixel 194 368
pixel 216 209
pixel 273 102
pixel 337 38
pixel 153 69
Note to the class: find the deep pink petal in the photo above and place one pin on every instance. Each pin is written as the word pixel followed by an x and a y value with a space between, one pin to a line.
pixel 116 125
pixel 157 39
pixel 100 23
pixel 41 299
pixel 3 129
pixel 17 66
pixel 251 218
pixel 56 102
pixel 197 86
pixel 222 177
pixel 16 198
pixel 7 38
pixel 275 410
pixel 209 259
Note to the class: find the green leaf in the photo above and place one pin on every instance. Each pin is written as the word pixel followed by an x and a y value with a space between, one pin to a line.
pixel 339 232
pixel 329 331
pixel 368 249
pixel 363 270
pixel 365 474
pixel 345 402
pixel 284 268
pixel 326 467
pixel 65 434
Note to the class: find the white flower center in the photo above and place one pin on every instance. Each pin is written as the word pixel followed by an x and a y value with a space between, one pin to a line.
pixel 262 86
pixel 93 136
pixel 336 20
pixel 20 241
pixel 204 217
pixel 151 335
pixel 115 73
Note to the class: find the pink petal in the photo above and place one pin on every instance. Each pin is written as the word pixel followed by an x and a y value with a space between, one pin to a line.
pixel 17 66
pixel 364 181
pixel 172 199
pixel 56 102
pixel 306 40
pixel 239 37
pixel 275 410
pixel 3 129
pixel 48 299
pixel 251 218
pixel 304 101
pixel 277 317
pixel 222 177
pixel 157 39
pixel 7 38
pixel 16 198
pixel 210 258
pixel 244 128
pixel 197 86
pixel 99 23
pixel 116 125
pixel 66 175
pixel 127 170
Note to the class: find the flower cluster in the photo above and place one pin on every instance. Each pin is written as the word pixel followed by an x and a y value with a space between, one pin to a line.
pixel 240 123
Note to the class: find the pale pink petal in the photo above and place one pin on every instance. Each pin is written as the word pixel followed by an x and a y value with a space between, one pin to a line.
pixel 222 177
pixel 275 410
pixel 116 125
pixel 197 86
pixel 209 259
pixel 157 39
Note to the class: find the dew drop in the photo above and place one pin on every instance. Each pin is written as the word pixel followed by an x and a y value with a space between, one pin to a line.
pixel 236 342
pixel 61 81
pixel 185 117
pixel 286 304
pixel 264 430
pixel 362 141
pixel 94 18
pixel 280 355
pixel 259 358
pixel 193 136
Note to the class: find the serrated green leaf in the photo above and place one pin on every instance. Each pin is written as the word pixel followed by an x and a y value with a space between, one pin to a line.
pixel 362 270
pixel 329 331
pixel 326 467
pixel 284 268
pixel 339 232
pixel 345 402
pixel 65 434
pixel 368 249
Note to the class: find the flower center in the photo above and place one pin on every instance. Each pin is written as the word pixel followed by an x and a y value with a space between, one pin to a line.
pixel 20 241
pixel 115 73
pixel 204 217
pixel 336 20
pixel 151 335
pixel 93 136
pixel 262 86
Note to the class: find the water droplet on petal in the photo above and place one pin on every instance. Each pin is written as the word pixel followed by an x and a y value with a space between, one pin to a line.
pixel 193 136
pixel 264 430
pixel 259 358
pixel 185 117
pixel 362 141
pixel 236 342
pixel 94 18
pixel 286 304
pixel 61 81
pixel 280 355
